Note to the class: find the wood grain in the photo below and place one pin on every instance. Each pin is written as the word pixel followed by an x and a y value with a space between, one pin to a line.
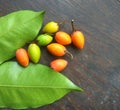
pixel 97 67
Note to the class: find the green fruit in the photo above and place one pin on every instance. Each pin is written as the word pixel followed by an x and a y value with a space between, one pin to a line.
pixel 34 53
pixel 51 27
pixel 44 39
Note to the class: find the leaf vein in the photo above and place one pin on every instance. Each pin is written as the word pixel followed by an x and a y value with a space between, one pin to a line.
pixel 16 86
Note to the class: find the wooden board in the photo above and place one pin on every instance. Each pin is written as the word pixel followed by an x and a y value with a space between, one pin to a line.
pixel 97 67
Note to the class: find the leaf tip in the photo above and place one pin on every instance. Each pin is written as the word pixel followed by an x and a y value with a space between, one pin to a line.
pixel 43 11
pixel 80 90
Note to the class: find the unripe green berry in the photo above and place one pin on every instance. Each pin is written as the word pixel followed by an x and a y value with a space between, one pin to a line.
pixel 44 39
pixel 34 53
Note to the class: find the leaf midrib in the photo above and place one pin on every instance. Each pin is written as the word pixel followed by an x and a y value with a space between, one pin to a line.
pixel 50 87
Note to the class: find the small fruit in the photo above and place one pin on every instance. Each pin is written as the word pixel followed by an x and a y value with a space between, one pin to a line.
pixel 51 27
pixel 63 38
pixel 34 52
pixel 58 50
pixel 77 37
pixel 22 57
pixel 58 64
pixel 44 39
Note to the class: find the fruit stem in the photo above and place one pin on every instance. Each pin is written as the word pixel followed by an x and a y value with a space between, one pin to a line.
pixel 72 23
pixel 69 54
pixel 62 22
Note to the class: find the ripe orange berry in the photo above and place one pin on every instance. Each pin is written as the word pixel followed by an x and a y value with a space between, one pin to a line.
pixel 63 38
pixel 58 64
pixel 22 57
pixel 78 39
pixel 56 49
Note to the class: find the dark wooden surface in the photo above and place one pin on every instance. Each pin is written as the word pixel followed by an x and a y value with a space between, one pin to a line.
pixel 97 67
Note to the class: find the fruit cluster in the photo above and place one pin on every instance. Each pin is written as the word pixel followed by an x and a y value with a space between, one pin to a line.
pixel 55 48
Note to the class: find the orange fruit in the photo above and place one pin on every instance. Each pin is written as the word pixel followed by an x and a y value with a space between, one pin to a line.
pixel 63 38
pixel 56 49
pixel 22 57
pixel 58 64
pixel 78 39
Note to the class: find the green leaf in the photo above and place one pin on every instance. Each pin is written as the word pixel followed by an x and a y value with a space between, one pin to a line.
pixel 17 29
pixel 33 86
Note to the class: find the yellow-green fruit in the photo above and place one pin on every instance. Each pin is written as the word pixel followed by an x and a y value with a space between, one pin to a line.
pixel 44 39
pixel 34 52
pixel 51 27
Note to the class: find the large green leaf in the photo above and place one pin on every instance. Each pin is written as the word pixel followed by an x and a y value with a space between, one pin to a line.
pixel 33 86
pixel 16 29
